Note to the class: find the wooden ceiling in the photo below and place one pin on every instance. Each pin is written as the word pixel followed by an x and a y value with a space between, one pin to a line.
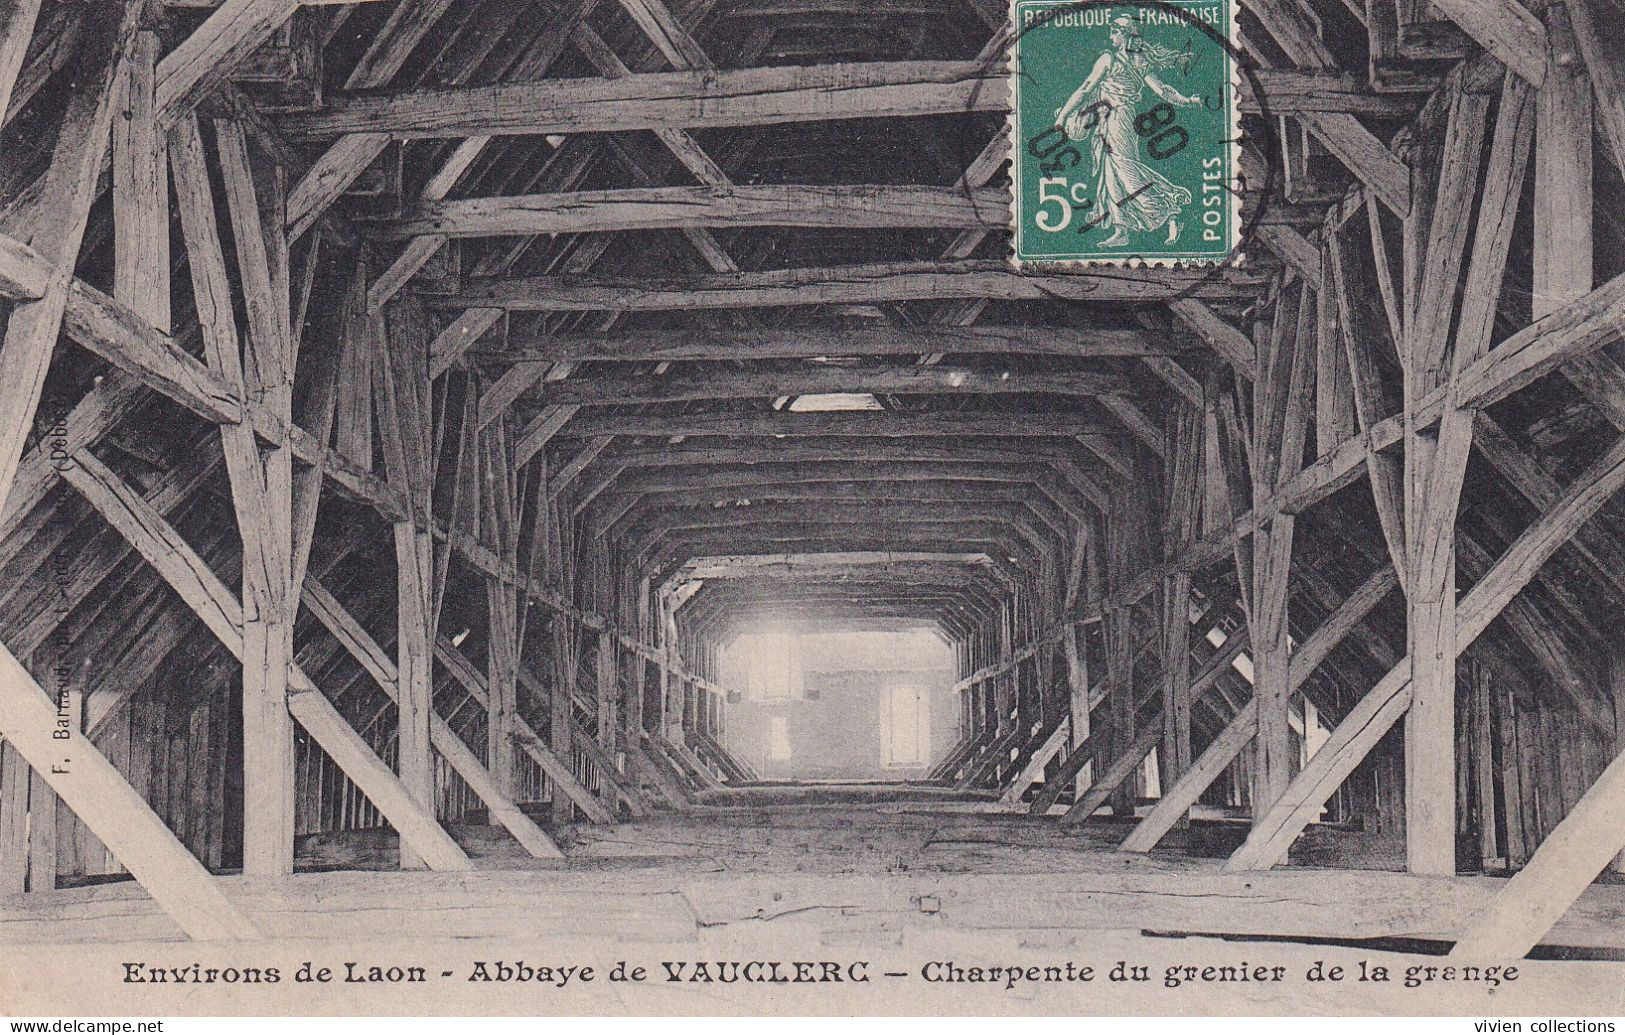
pixel 645 299
pixel 557 275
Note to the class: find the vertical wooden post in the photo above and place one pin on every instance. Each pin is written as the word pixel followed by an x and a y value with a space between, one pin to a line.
pixel 141 190
pixel 1272 757
pixel 1436 459
pixel 561 709
pixel 1183 516
pixel 42 806
pixel 14 777
pixel 1430 749
pixel 1564 220
pixel 1119 652
pixel 657 636
pixel 1334 389
pixel 1616 684
pixel 1004 683
pixel 263 479
pixel 1280 421
pixel 1483 776
pixel 605 690
pixel 353 408
pixel 608 680
pixel 633 713
pixel 502 636
pixel 1077 673
pixel 502 665
pixel 672 685
pixel 402 371
pixel 691 706
pixel 1511 787
pixel 39 802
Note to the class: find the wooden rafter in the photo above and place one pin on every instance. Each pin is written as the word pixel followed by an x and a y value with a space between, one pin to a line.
pixel 382 668
pixel 222 613
pixel 1507 30
pixel 69 190
pixel 1568 860
pixel 878 282
pixel 579 519
pixel 1292 26
pixel 1182 794
pixel 656 208
pixel 1388 700
pixel 666 100
pixel 99 795
pixel 16 30
pixel 230 33
pixel 610 390
pixel 557 766
pixel 806 342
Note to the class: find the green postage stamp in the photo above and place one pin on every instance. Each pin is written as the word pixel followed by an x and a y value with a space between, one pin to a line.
pixel 1125 132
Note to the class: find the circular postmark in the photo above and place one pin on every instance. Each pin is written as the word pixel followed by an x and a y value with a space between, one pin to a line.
pixel 1096 177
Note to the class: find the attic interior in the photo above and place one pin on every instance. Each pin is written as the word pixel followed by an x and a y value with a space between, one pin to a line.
pixel 652 465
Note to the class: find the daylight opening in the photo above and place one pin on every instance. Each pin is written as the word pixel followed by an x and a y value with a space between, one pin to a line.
pixel 865 705
pixel 834 402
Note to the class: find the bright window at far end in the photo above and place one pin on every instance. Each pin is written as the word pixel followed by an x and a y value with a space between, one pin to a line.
pixel 772 664
pixel 829 402
pixel 906 727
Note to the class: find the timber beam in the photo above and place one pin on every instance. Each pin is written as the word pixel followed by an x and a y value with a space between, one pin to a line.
pixel 664 208
pixel 743 565
pixel 222 613
pixel 936 499
pixel 817 452
pixel 805 341
pixel 841 285
pixel 707 98
pixel 1388 701
pixel 875 524
pixel 625 390
pixel 372 657
pixel 859 424
pixel 679 548
pixel 665 100
pixel 1180 795
pixel 119 817
pixel 559 769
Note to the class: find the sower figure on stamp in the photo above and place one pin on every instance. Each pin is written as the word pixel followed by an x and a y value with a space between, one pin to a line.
pixel 1129 194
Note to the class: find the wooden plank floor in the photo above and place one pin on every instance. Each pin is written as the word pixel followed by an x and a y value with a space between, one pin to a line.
pixel 886 865
pixel 898 884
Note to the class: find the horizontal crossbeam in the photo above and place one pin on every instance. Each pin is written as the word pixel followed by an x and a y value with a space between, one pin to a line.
pixel 668 208
pixel 625 390
pixel 847 285
pixel 861 424
pixel 667 100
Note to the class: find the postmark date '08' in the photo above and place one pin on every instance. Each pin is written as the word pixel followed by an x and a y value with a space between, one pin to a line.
pixel 1124 133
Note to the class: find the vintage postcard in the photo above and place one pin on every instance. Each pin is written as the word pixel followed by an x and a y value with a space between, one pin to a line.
pixel 527 508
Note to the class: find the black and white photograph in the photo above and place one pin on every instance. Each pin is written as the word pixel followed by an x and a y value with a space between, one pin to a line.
pixel 812 508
